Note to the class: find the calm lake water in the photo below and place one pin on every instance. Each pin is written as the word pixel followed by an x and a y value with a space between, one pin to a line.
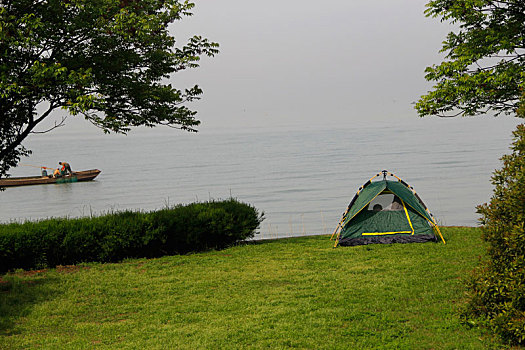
pixel 302 179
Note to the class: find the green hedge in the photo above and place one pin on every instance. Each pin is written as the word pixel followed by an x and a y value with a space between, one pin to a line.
pixel 497 288
pixel 113 237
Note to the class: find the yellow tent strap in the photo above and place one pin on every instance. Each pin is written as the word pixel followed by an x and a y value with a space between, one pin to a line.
pixel 408 217
pixel 383 233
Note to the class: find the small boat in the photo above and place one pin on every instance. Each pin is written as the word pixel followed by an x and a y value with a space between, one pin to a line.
pixel 85 175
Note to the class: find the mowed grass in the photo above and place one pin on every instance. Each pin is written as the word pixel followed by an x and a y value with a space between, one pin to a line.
pixel 289 293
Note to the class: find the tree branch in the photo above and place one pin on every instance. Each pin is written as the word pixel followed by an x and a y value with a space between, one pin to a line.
pixel 57 125
pixel 23 134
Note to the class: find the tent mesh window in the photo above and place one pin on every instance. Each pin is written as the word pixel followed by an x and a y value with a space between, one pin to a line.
pixel 386 201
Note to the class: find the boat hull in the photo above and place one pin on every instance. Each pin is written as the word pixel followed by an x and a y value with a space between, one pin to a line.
pixel 86 175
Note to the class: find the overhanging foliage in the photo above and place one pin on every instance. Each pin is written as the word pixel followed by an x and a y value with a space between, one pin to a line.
pixel 107 60
pixel 484 68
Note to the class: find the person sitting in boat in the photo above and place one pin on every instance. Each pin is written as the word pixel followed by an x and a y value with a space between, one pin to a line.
pixel 56 173
pixel 66 168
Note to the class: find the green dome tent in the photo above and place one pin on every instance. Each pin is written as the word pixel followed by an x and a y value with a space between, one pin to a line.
pixel 386 211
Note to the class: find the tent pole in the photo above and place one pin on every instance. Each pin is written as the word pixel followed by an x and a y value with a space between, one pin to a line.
pixel 337 228
pixel 337 238
pixel 440 235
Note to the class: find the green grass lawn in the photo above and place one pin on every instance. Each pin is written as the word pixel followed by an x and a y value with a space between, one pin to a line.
pixel 289 293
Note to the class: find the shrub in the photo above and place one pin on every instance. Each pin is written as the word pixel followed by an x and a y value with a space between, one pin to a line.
pixel 116 236
pixel 497 289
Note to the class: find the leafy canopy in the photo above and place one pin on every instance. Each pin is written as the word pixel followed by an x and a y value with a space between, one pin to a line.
pixel 484 68
pixel 107 60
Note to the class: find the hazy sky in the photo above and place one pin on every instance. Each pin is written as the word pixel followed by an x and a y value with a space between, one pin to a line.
pixel 291 62
pixel 300 62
